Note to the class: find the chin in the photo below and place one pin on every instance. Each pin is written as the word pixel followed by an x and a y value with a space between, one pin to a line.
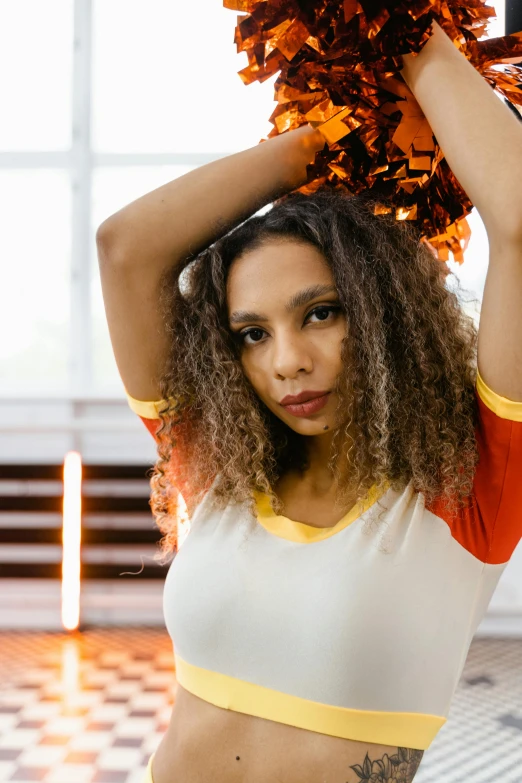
pixel 310 427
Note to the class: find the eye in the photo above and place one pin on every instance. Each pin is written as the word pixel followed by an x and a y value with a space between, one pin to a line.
pixel 251 336
pixel 324 312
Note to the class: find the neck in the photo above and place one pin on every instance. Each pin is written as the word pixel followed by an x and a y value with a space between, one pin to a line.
pixel 318 473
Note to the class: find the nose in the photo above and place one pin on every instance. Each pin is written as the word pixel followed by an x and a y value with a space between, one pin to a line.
pixel 290 356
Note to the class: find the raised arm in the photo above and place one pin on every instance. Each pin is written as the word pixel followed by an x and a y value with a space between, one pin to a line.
pixel 188 214
pixel 139 242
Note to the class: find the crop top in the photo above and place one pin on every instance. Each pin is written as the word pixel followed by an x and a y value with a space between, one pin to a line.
pixel 360 630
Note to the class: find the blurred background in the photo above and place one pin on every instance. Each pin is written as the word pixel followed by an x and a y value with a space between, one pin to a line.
pixel 102 102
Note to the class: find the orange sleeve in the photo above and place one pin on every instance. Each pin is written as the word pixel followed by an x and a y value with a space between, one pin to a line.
pixel 147 412
pixel 498 478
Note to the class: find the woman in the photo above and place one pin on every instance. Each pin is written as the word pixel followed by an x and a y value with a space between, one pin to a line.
pixel 349 471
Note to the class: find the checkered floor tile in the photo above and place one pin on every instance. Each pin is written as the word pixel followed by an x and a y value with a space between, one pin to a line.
pixel 86 708
pixel 92 706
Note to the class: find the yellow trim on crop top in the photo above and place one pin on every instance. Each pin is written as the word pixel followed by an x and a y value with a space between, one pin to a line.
pixel 299 531
pixel 409 729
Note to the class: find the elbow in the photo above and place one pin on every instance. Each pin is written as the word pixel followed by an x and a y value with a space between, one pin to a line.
pixel 106 240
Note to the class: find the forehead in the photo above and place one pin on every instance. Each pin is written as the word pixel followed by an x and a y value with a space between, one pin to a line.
pixel 275 270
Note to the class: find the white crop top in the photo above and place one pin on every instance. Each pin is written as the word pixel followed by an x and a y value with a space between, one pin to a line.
pixel 358 631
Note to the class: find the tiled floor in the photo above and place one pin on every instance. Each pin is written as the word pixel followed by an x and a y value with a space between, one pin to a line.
pixel 92 707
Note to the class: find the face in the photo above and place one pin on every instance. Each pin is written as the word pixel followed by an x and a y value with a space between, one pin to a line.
pixel 285 314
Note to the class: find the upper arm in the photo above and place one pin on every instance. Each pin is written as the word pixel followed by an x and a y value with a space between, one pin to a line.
pixel 138 336
pixel 500 327
pixel 498 482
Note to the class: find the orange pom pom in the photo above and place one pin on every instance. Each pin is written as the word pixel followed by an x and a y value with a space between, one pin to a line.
pixel 340 66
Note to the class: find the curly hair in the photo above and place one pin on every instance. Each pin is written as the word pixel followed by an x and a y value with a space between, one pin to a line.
pixel 408 410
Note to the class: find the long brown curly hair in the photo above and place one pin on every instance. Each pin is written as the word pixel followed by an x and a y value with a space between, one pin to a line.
pixel 407 390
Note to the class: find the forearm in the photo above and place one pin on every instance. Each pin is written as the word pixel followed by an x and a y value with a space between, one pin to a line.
pixel 479 135
pixel 188 214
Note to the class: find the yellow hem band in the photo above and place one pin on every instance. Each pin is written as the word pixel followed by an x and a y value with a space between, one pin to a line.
pixel 403 729
pixel 148 771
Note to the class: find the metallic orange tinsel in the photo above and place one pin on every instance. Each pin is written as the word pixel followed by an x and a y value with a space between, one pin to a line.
pixel 340 62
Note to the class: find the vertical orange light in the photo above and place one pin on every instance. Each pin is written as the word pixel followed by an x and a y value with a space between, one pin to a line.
pixel 71 539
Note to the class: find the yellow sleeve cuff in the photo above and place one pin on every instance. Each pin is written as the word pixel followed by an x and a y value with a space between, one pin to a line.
pixel 506 409
pixel 149 410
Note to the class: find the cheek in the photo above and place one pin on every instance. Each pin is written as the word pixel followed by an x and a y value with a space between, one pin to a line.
pixel 330 349
pixel 254 371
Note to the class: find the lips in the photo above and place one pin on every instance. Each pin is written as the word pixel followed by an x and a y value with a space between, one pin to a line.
pixel 295 399
pixel 305 404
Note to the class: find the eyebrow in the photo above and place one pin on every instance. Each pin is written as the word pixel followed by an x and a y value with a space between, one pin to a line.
pixel 297 300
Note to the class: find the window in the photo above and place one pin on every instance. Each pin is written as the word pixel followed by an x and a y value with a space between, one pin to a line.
pixel 103 101
pixel 35 193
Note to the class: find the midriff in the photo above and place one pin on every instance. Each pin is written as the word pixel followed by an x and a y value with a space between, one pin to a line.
pixel 207 743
